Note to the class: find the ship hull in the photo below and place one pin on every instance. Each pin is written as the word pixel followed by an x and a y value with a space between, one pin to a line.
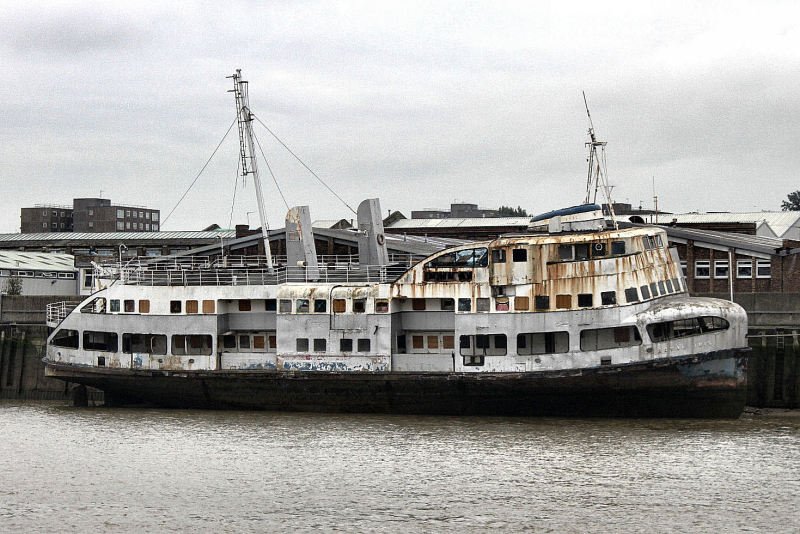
pixel 710 385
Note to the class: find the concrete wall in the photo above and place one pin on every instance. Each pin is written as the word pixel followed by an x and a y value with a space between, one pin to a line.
pixel 21 368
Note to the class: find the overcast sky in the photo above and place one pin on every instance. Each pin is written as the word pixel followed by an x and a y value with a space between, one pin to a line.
pixel 419 104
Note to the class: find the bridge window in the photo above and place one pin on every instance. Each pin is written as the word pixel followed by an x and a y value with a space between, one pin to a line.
pixel 66 338
pixel 610 338
pixel 542 343
pixel 105 341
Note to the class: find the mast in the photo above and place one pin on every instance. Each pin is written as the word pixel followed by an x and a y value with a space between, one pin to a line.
pixel 247 152
pixel 597 175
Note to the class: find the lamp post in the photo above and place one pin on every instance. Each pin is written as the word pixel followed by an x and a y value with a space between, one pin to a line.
pixel 121 247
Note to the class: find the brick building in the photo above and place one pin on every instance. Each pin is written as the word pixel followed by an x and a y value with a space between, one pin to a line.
pixel 89 215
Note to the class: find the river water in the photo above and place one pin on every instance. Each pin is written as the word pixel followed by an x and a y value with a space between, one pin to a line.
pixel 98 469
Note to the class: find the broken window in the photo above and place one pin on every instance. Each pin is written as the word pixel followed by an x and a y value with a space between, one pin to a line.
pixel 464 305
pixel 519 255
pixel 542 343
pixel 175 306
pixel 301 306
pixel 66 338
pixel 610 338
pixel 381 306
pixel 607 298
pixel 541 302
pixel 483 345
pixel 565 252
pixel 105 341
pixel 584 300
pixel 359 305
pixel 146 343
pixel 582 251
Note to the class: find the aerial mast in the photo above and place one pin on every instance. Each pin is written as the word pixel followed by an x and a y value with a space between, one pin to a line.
pixel 597 176
pixel 247 152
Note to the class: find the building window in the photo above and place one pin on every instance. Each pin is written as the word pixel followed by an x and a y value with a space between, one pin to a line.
pixel 345 345
pixel 54 225
pixel 744 268
pixel 128 225
pixel 364 345
pixel 155 215
pixel 141 215
pixel 120 214
pixel 763 269
pixel 721 269
pixel 44 225
pixel 91 212
pixel 702 269
pixel 684 268
pixel 120 225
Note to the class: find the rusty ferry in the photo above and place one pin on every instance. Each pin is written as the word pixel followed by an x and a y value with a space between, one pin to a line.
pixel 578 317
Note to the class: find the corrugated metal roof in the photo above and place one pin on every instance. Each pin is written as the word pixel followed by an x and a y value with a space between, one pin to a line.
pixel 779 221
pixel 472 222
pixel 117 236
pixel 741 242
pixel 36 261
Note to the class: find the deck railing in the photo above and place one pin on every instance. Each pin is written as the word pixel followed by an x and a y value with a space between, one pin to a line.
pixel 58 311
pixel 249 270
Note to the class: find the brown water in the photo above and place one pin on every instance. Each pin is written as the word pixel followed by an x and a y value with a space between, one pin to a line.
pixel 96 469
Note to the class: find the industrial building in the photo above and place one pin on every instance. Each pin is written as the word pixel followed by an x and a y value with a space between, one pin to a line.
pixel 89 215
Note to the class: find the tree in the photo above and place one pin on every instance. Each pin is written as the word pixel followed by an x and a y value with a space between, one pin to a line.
pixel 508 211
pixel 13 286
pixel 793 204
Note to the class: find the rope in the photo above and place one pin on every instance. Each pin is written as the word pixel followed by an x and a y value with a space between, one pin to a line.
pixel 235 186
pixel 269 168
pixel 163 222
pixel 304 165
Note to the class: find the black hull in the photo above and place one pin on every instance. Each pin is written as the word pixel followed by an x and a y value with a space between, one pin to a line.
pixel 663 388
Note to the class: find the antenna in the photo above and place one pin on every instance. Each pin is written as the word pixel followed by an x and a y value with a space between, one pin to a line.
pixel 597 175
pixel 655 200
pixel 247 152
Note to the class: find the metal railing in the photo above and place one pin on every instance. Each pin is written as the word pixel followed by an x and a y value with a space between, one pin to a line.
pixel 58 311
pixel 249 270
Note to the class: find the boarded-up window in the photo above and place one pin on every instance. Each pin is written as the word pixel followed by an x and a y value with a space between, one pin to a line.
pixel 433 342
pixel 418 304
pixel 448 342
pixel 273 342
pixel 191 306
pixel 245 305
pixel 417 342
pixel 285 306
pixel 144 306
pixel 259 342
pixel 339 305
pixel 521 303
pixel 208 306
pixel 563 301
pixel 482 304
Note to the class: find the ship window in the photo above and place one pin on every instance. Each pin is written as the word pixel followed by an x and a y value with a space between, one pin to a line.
pixel 345 345
pixel 114 305
pixel 661 288
pixel 501 304
pixel 483 345
pixel 191 306
pixel 448 342
pixel 144 306
pixel 763 268
pixel 418 304
pixel 563 301
pixel 244 341
pixel 654 289
pixel 744 268
pixel 270 305
pixel 582 251
pixel 598 249
pixel 319 344
pixel 685 327
pixel 245 305
pixel 669 286
pixel 721 269
pixel 228 342
pixel 146 343
pixel 401 344
pixel 618 248
pixel 360 305
pixel 105 341
pixel 608 298
pixel 464 305
pixel 174 306
pixel 417 342
pixel 631 295
pixel 66 338
pixel 208 306
pixel 302 344
pixel 610 338
pixel 447 304
pixel 482 304
pixel 130 306
pixel 519 255
pixel 521 303
pixel 301 306
pixel 498 255
pixel 285 306
pixel 541 302
pixel 584 300
pixel 565 252
pixel 364 345
pixel 273 343
pixel 381 306
pixel 645 292
pixel 339 305
pixel 433 342
pixel 197 344
pixel 320 306
pixel 676 283
pixel 702 269
pixel 542 343
pixel 259 343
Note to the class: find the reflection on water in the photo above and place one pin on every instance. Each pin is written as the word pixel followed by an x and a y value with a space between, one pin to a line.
pixel 113 469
